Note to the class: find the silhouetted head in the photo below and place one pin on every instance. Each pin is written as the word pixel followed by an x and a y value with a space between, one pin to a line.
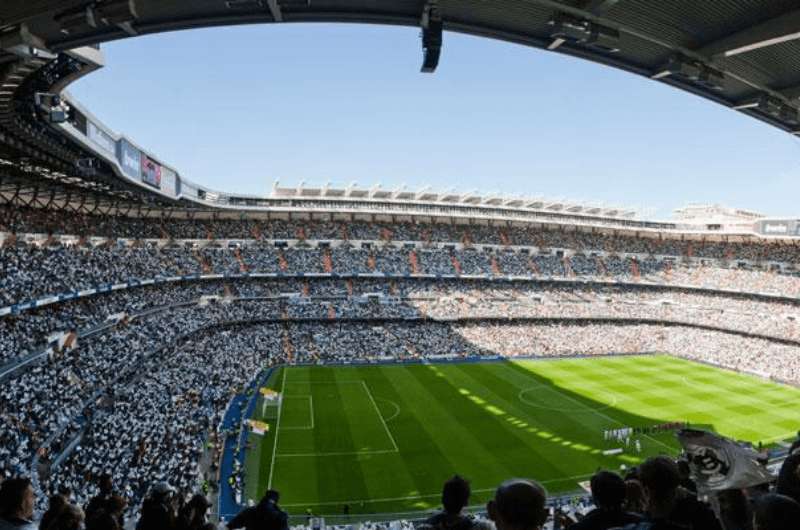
pixel 789 477
pixel 518 504
pixel 660 479
pixel 608 490
pixel 105 484
pixel 16 498
pixel 776 512
pixel 455 494
pixel 271 496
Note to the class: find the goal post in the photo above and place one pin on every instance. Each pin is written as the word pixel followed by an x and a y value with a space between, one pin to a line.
pixel 270 403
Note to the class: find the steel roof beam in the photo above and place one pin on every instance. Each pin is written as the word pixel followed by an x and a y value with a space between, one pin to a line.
pixel 275 10
pixel 598 7
pixel 790 92
pixel 780 29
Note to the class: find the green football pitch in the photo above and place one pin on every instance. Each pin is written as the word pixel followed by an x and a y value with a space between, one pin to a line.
pixel 384 438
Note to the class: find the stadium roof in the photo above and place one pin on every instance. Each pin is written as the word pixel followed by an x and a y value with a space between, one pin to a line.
pixel 744 54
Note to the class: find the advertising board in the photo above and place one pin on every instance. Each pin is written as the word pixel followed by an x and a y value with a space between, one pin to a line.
pixel 100 138
pixel 130 158
pixel 151 172
pixel 169 184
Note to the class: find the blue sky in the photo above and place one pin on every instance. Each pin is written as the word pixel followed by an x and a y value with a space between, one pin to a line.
pixel 236 108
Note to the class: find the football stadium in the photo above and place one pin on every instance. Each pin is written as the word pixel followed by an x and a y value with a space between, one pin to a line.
pixel 178 357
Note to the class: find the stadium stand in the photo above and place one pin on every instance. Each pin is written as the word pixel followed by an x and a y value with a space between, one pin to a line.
pixel 103 346
pixel 140 310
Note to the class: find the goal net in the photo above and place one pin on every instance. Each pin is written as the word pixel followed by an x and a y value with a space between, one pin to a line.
pixel 270 404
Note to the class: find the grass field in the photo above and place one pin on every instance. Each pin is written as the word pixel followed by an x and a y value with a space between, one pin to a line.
pixel 384 438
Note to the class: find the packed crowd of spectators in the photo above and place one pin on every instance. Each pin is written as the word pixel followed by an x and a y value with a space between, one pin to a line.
pixel 139 394
pixel 31 272
pixel 146 393
pixel 19 220
pixel 321 298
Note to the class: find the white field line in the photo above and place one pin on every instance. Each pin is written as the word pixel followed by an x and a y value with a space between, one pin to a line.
pixel 396 407
pixel 315 383
pixel 311 407
pixel 606 416
pixel 414 497
pixel 343 453
pixel 277 431
pixel 311 411
pixel 378 412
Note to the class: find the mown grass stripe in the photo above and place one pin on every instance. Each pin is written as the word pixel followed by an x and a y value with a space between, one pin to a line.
pixel 469 419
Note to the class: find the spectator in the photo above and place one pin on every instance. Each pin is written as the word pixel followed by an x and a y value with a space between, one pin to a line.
pixel 158 509
pixel 795 447
pixel 57 503
pixel 668 505
pixel 70 517
pixel 100 501
pixel 266 515
pixel 789 477
pixel 16 504
pixel 455 497
pixel 102 521
pixel 518 504
pixel 776 512
pixel 193 514
pixel 608 494
pixel 734 510
pixel 634 496
pixel 686 479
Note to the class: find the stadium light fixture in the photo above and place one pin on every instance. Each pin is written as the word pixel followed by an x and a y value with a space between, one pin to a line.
pixel 21 42
pixel 694 71
pixel 578 31
pixel 772 107
pixel 789 115
pixel 432 39
pixel 746 105
pixel 120 13
pixel 244 4
pixel 51 107
pixel 76 21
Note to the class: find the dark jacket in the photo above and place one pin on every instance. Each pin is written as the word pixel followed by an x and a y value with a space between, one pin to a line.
pixel 16 524
pixel 265 516
pixel 446 521
pixel 600 519
pixel 688 514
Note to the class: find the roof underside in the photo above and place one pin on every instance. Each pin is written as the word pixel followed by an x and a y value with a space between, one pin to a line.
pixel 739 53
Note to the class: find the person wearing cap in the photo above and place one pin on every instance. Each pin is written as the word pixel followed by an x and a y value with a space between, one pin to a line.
pixel 266 515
